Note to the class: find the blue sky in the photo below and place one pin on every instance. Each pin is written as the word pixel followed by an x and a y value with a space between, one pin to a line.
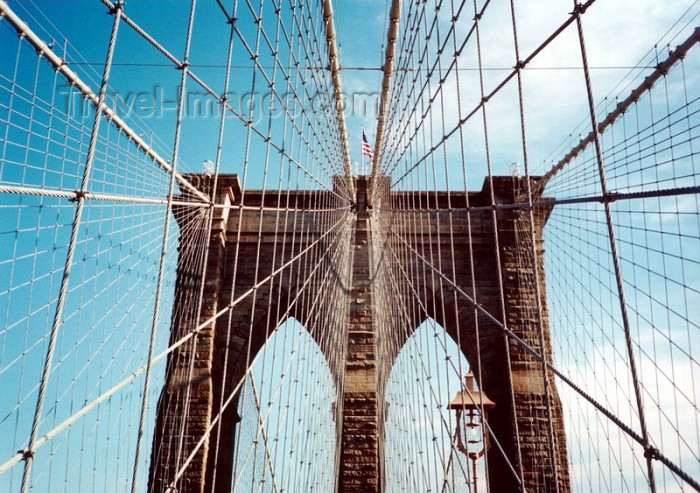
pixel 119 244
pixel 140 69
pixel 553 87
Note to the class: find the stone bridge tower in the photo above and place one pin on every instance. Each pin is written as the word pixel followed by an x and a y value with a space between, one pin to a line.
pixel 512 378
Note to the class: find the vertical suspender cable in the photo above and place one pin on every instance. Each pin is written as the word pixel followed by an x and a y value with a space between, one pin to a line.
pixel 648 449
pixel 63 290
pixel 164 248
pixel 553 452
pixel 497 249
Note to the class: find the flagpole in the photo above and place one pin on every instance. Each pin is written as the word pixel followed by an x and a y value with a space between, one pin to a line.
pixel 362 151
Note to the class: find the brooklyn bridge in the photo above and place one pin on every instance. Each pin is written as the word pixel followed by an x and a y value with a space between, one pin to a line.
pixel 349 246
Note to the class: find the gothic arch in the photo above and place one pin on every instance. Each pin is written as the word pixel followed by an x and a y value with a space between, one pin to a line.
pixel 278 384
pixel 406 394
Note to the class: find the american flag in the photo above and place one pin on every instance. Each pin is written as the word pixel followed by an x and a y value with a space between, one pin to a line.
pixel 366 149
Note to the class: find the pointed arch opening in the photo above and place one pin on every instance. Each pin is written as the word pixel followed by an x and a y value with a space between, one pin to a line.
pixel 286 437
pixel 420 448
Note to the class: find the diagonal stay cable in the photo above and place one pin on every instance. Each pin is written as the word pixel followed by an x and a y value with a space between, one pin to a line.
pixel 234 391
pixel 18 457
pixel 60 65
pixel 224 102
pixel 571 19
pixel 652 452
pixel 425 310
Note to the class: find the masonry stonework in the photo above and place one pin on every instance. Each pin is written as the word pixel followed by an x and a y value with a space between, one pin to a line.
pixel 511 377
pixel 359 452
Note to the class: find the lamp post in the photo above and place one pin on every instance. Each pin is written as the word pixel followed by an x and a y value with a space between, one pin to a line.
pixel 476 405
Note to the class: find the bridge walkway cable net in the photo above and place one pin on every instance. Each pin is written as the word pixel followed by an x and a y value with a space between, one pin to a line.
pixel 168 326
pixel 605 357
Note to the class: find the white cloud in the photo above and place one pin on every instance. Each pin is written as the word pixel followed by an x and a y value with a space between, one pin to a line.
pixel 617 33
